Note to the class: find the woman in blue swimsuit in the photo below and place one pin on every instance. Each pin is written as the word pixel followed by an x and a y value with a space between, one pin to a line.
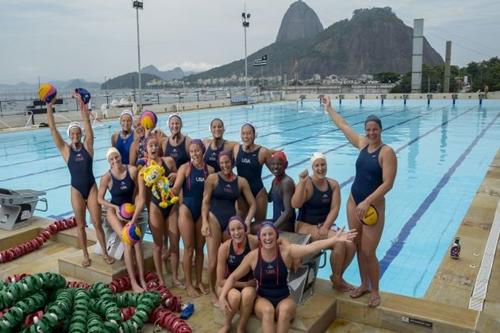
pixel 318 200
pixel 222 190
pixel 216 144
pixel 231 253
pixel 121 181
pixel 270 263
pixel 157 216
pixel 191 179
pixel 249 159
pixel 123 139
pixel 79 156
pixel 375 173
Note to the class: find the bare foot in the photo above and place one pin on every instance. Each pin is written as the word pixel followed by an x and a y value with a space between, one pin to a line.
pixel 192 292
pixel 108 259
pixel 374 300
pixel 340 284
pixel 178 284
pixel 225 329
pixel 86 262
pixel 214 299
pixel 144 284
pixel 358 292
pixel 204 290
pixel 136 288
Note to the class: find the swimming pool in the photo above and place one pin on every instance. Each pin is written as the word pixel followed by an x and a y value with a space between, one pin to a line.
pixel 443 153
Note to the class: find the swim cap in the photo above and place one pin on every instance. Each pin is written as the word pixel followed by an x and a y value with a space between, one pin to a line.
pixel 236 218
pixel 112 151
pixel 375 119
pixel 316 156
pixel 282 156
pixel 125 113
pixel 226 153
pixel 176 116
pixel 74 124
pixel 265 224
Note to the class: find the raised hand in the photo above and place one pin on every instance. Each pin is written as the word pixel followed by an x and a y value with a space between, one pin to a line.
pixel 303 175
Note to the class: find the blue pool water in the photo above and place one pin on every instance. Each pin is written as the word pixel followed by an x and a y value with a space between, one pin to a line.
pixel 443 153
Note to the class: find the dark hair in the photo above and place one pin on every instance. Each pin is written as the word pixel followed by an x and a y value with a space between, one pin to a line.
pixel 216 119
pixel 375 119
pixel 239 219
pixel 199 143
pixel 249 125
pixel 226 153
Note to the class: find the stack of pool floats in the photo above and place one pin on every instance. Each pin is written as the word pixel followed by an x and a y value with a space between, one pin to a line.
pixel 45 302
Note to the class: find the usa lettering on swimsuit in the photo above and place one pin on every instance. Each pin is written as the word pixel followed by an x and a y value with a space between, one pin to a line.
pixel 79 157
pixel 123 186
pixel 200 179
pixel 246 160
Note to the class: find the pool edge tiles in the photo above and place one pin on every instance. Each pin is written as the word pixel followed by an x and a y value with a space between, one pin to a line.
pixel 454 280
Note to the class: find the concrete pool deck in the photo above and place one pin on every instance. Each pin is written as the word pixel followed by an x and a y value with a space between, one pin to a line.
pixel 443 309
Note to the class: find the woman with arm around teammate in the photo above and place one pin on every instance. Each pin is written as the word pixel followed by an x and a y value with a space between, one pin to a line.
pixel 121 181
pixel 318 200
pixel 231 253
pixel 79 157
pixel 222 191
pixel 191 179
pixel 270 263
pixel 157 216
pixel 375 173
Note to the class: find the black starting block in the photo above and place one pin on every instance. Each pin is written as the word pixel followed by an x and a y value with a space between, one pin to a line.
pixel 17 207
pixel 301 281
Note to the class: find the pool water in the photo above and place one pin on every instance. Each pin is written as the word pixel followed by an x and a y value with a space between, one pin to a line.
pixel 443 153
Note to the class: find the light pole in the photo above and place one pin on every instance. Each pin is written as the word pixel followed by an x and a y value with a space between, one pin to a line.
pixel 246 23
pixel 138 4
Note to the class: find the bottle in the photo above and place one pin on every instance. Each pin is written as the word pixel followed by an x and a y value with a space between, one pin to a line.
pixel 455 249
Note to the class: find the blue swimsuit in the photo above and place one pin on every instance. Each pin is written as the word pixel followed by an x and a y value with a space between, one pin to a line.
pixel 123 146
pixel 279 207
pixel 224 197
pixel 272 279
pixel 211 156
pixel 192 190
pixel 368 175
pixel 178 153
pixel 315 210
pixel 122 190
pixel 249 167
pixel 80 169
pixel 234 260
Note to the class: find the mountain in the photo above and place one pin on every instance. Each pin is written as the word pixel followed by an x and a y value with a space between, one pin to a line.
pixel 300 21
pixel 372 41
pixel 129 81
pixel 61 85
pixel 174 74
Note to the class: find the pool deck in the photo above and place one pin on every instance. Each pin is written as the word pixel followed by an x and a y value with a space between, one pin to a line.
pixel 445 307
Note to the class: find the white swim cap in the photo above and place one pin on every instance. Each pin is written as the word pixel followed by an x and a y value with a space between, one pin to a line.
pixel 127 112
pixel 74 124
pixel 112 151
pixel 316 156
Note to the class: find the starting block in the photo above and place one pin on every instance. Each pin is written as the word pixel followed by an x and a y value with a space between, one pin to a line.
pixel 301 281
pixel 17 207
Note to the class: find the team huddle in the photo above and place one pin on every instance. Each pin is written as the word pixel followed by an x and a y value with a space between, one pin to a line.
pixel 248 262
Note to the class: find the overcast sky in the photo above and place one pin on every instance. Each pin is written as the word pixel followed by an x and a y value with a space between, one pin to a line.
pixel 91 39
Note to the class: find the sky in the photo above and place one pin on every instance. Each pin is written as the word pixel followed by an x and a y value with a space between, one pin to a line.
pixel 96 39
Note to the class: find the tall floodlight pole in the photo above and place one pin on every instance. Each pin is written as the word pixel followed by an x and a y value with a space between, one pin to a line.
pixel 246 23
pixel 138 4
